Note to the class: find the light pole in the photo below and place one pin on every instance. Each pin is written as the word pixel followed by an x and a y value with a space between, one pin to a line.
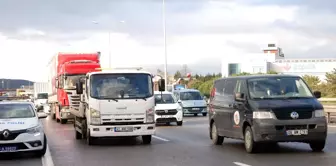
pixel 165 42
pixel 109 42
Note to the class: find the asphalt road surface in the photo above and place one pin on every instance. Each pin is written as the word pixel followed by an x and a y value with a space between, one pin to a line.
pixel 187 145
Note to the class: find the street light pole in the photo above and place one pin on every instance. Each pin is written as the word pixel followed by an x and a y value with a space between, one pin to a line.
pixel 165 43
pixel 109 49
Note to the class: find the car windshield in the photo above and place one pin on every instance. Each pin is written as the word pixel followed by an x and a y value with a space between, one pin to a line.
pixel 42 96
pixel 164 99
pixel 10 111
pixel 278 87
pixel 119 86
pixel 70 81
pixel 190 96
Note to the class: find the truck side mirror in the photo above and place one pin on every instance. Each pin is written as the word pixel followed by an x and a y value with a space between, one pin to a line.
pixel 317 94
pixel 56 84
pixel 162 85
pixel 79 88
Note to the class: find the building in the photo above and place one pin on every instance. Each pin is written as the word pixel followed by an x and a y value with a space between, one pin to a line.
pixel 273 59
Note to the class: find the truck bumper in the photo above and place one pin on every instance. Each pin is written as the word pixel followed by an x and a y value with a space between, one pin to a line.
pixel 109 131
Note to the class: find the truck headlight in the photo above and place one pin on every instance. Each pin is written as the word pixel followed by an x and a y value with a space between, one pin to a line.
pixel 94 113
pixel 263 115
pixel 34 130
pixel 150 115
pixel 319 113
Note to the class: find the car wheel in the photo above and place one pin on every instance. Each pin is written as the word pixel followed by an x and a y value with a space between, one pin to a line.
pixel 179 123
pixel 317 146
pixel 64 121
pixel 195 114
pixel 216 139
pixel 204 114
pixel 146 139
pixel 250 145
pixel 41 152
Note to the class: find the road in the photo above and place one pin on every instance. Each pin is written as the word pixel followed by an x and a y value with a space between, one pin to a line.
pixel 187 145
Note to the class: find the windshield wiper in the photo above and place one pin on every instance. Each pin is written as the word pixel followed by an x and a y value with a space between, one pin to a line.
pixel 105 97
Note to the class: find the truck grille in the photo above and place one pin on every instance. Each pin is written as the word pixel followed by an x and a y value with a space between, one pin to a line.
pixel 74 100
pixel 166 112
pixel 284 113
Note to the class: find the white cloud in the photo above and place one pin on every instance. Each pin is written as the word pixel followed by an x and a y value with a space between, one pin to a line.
pixel 218 26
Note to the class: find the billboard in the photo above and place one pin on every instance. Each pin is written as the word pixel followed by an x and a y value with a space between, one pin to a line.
pixel 299 67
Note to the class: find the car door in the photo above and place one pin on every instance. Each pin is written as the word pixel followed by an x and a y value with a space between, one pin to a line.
pixel 239 110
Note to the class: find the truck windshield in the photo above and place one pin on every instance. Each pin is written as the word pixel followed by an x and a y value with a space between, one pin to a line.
pixel 190 96
pixel 121 86
pixel 164 99
pixel 278 87
pixel 9 111
pixel 42 96
pixel 70 81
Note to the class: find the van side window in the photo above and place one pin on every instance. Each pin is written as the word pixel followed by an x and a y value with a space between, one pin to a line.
pixel 229 87
pixel 240 87
pixel 219 87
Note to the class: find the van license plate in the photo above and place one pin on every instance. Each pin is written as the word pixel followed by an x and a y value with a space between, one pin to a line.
pixel 8 149
pixel 297 132
pixel 123 129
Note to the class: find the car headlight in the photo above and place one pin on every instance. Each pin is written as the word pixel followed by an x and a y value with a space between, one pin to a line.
pixel 263 115
pixel 34 130
pixel 319 113
pixel 150 115
pixel 94 113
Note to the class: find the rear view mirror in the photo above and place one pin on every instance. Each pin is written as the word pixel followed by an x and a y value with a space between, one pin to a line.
pixel 317 94
pixel 79 87
pixel 239 97
pixel 162 85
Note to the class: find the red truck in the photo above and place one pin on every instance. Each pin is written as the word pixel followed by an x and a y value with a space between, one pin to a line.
pixel 65 70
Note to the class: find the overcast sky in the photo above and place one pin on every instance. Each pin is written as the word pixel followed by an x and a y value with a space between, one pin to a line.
pixel 32 31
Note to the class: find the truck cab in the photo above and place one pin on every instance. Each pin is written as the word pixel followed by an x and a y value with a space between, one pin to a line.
pixel 115 103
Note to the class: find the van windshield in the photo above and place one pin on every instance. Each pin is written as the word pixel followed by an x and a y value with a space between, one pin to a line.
pixel 164 99
pixel 190 96
pixel 277 87
pixel 121 86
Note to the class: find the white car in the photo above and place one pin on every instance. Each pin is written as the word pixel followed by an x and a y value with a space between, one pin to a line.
pixel 167 109
pixel 20 128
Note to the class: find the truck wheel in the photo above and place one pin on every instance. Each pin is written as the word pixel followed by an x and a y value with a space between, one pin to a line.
pixel 58 120
pixel 250 145
pixel 179 123
pixel 64 121
pixel 53 116
pixel 41 152
pixel 317 146
pixel 89 139
pixel 146 139
pixel 78 135
pixel 216 139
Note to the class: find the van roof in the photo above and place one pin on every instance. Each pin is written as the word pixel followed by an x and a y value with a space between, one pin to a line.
pixel 260 76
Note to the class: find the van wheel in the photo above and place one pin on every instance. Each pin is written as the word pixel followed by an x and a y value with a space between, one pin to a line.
pixel 41 152
pixel 146 139
pixel 216 139
pixel 250 145
pixel 317 146
pixel 64 121
pixel 179 123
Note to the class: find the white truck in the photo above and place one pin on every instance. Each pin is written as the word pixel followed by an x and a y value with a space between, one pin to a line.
pixel 41 90
pixel 115 103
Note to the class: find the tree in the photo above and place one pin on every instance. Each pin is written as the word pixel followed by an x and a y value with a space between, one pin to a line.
pixel 331 83
pixel 272 72
pixel 177 75
pixel 312 81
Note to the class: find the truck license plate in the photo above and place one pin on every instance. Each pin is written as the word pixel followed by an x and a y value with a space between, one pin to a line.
pixel 297 132
pixel 8 149
pixel 123 129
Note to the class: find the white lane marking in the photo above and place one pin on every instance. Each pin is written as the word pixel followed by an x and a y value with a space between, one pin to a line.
pixel 162 139
pixel 47 159
pixel 332 126
pixel 241 164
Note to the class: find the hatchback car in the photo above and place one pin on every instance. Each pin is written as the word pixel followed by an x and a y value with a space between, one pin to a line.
pixel 20 128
